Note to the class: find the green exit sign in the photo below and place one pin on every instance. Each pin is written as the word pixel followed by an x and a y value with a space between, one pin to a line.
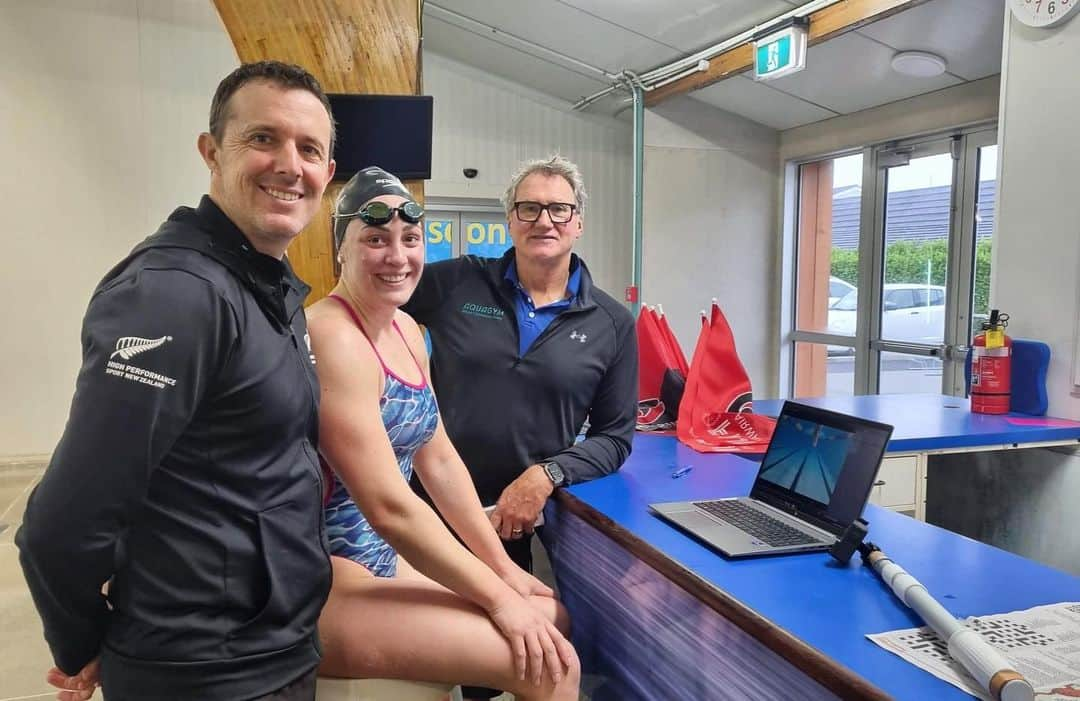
pixel 780 53
pixel 774 56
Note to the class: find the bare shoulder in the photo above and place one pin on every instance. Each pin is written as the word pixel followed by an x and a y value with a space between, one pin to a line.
pixel 322 310
pixel 334 335
pixel 411 330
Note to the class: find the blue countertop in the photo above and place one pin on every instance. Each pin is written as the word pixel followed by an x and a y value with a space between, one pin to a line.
pixel 937 421
pixel 825 605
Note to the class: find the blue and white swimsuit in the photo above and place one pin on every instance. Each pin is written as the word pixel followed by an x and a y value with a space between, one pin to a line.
pixel 410 415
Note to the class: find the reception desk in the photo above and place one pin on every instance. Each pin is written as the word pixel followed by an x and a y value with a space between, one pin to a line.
pixel 657 615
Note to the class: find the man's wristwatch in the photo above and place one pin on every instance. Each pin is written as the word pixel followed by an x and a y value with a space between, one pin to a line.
pixel 554 473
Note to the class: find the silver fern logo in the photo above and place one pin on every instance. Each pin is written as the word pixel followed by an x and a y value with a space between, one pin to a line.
pixel 127 347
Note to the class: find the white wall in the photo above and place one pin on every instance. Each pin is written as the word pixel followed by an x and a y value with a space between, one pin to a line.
pixel 487 123
pixel 1036 266
pixel 711 180
pixel 101 103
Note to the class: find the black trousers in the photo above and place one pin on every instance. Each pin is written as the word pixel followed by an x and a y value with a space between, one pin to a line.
pixel 520 551
pixel 302 689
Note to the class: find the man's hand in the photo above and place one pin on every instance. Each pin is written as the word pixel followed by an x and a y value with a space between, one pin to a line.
pixel 77 688
pixel 520 503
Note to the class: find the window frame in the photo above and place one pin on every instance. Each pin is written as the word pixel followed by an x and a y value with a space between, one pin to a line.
pixel 966 145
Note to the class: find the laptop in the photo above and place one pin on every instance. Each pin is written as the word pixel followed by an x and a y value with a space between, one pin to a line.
pixel 813 482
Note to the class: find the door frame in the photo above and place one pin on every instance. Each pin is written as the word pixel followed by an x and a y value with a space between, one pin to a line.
pixel 963 145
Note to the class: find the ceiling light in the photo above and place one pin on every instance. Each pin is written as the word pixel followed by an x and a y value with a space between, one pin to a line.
pixel 919 64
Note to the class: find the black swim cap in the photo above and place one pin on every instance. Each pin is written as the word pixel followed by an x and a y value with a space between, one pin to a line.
pixel 363 187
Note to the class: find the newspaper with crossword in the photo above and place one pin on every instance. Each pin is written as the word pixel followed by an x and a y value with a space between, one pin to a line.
pixel 1042 643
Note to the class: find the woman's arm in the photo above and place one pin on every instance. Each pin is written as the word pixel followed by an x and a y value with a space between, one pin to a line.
pixel 450 485
pixel 354 442
pixel 447 480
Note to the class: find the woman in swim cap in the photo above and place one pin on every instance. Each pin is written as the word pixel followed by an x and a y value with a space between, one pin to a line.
pixel 452 613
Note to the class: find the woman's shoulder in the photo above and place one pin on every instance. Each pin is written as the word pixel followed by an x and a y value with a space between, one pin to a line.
pixel 412 333
pixel 407 324
pixel 333 330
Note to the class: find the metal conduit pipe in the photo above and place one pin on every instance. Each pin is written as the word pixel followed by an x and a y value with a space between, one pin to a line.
pixel 638 187
pixel 461 20
pixel 700 61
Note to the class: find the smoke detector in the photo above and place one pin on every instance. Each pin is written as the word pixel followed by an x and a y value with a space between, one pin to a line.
pixel 918 64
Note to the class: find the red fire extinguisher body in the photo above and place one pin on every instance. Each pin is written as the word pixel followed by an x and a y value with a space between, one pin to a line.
pixel 991 369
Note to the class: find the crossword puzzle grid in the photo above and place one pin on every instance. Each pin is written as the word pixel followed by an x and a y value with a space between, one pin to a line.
pixel 1001 633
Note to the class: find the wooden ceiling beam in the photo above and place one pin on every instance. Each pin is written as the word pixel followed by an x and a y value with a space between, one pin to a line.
pixel 825 24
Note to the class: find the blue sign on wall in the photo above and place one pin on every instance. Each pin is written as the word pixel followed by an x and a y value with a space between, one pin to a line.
pixel 487 239
pixel 481 238
pixel 438 235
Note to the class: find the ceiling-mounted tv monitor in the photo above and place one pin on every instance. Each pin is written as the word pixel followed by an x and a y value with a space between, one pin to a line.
pixel 389 131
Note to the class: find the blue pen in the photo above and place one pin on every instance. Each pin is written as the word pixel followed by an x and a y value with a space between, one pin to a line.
pixel 681 472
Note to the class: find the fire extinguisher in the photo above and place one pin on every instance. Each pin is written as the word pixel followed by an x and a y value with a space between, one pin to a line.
pixel 991 367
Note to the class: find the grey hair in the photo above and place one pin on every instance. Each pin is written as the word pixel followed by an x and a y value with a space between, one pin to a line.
pixel 552 165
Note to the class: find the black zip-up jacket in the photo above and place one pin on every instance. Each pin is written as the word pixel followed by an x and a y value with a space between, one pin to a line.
pixel 187 477
pixel 504 411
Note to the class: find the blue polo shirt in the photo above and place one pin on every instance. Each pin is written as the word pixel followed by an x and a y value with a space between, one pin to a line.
pixel 532 320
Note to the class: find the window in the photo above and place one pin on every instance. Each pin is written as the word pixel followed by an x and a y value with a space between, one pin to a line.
pixel 827 277
pixel 889 258
pixel 899 299
pixel 838 288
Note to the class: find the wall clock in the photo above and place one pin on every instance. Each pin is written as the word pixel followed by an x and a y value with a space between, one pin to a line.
pixel 1043 13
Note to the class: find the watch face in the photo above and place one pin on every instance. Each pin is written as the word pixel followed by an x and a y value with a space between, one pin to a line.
pixel 1043 13
pixel 554 473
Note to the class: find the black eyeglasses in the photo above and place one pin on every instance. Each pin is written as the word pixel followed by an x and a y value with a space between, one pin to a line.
pixel 558 212
pixel 379 213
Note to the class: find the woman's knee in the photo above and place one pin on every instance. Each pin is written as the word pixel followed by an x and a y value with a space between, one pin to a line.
pixel 568 686
pixel 555 612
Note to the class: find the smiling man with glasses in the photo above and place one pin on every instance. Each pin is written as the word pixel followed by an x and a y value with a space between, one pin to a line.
pixel 517 383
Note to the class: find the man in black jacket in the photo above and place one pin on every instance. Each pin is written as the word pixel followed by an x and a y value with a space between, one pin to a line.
pixel 524 349
pixel 187 480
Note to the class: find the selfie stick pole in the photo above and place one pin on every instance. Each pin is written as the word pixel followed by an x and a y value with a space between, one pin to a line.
pixel 990 669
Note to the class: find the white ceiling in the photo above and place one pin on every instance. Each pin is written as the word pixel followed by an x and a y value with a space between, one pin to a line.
pixel 847 74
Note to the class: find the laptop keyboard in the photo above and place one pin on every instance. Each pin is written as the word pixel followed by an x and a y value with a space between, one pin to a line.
pixel 760 525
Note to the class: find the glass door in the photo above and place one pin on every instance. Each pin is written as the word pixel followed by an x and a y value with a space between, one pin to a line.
pixel 908 325
pixel 928 210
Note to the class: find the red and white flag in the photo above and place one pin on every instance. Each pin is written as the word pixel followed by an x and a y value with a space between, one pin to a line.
pixel 659 377
pixel 673 345
pixel 715 415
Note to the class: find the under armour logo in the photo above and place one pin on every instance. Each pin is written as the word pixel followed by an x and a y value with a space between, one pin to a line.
pixel 579 337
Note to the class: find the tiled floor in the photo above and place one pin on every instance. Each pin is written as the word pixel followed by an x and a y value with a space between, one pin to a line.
pixel 25 658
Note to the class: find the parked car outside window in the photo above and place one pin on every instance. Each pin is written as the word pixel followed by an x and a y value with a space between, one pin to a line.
pixel 911 313
pixel 838 288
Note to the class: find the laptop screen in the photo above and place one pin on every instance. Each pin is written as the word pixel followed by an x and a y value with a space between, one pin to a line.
pixel 821 465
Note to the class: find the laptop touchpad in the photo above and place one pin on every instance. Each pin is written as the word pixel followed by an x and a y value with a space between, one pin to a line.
pixel 696 519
